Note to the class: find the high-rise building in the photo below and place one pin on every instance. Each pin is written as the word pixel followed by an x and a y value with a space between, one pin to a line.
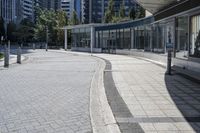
pixel 9 10
pixel 68 7
pixel 28 9
pixel 85 11
pixel 77 8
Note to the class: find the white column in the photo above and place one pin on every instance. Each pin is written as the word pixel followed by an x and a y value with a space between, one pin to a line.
pixel 65 39
pixel 92 37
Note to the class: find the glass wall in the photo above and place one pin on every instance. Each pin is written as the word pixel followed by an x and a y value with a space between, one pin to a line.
pixel 147 41
pixel 182 31
pixel 81 37
pixel 127 38
pixel 195 37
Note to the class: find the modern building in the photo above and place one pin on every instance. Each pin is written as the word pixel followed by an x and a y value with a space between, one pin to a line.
pixel 68 7
pixel 77 8
pixel 28 9
pixel 175 25
pixel 99 8
pixel 9 10
pixel 85 11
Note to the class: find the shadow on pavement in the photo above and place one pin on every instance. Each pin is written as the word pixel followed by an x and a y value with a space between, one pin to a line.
pixel 186 96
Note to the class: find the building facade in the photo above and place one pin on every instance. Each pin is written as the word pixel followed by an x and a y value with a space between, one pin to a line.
pixel 9 10
pixel 28 9
pixel 177 26
pixel 68 6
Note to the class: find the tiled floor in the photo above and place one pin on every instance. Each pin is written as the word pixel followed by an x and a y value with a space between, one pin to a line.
pixel 158 102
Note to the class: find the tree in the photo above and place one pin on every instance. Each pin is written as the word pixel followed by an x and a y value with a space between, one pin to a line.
pixel 110 13
pixel 74 18
pixel 61 21
pixel 140 12
pixel 122 11
pixel 11 28
pixel 25 31
pixel 51 21
pixel 2 28
pixel 46 21
pixel 132 14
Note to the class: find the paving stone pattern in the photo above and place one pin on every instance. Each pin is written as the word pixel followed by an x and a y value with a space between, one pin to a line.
pixel 159 103
pixel 47 93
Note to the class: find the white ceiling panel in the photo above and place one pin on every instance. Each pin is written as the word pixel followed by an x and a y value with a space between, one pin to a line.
pixel 154 6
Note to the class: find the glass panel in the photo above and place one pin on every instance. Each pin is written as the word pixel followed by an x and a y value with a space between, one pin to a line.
pixel 147 38
pixel 87 38
pixel 195 37
pixel 182 37
pixel 113 36
pixel 140 37
pixel 121 38
pixel 105 39
pixel 127 39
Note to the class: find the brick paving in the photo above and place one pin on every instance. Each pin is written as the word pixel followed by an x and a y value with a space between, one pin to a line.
pixel 47 93
pixel 157 102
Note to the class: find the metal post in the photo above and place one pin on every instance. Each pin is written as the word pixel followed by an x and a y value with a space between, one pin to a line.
pixel 92 39
pixel 33 46
pixel 19 52
pixel 46 46
pixel 169 62
pixel 65 40
pixel 6 56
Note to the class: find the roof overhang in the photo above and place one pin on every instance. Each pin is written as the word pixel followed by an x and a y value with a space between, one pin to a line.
pixel 155 6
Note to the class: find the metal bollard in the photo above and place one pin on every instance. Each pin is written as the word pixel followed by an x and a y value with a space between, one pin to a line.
pixel 19 53
pixel 6 56
pixel 169 62
pixel 33 46
pixel 46 47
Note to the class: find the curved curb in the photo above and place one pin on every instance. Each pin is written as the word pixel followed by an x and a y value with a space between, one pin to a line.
pixel 102 118
pixel 101 115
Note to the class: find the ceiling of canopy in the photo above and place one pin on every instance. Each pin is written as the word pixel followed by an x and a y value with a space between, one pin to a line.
pixel 154 6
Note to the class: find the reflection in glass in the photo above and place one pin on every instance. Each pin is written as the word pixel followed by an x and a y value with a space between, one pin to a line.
pixel 182 37
pixel 195 37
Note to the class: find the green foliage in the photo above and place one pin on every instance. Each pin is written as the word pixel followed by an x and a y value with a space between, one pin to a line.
pixel 140 12
pixel 61 21
pixel 135 13
pixel 110 13
pixel 122 10
pixel 51 21
pixel 11 28
pixel 2 28
pixel 115 19
pixel 25 31
pixel 74 19
pixel 1 55
pixel 132 14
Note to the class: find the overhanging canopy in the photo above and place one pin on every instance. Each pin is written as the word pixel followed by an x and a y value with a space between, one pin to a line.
pixel 154 6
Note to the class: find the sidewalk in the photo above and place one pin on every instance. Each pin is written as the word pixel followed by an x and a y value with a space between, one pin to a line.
pixel 144 99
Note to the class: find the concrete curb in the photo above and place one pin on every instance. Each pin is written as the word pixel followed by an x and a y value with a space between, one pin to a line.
pixel 102 118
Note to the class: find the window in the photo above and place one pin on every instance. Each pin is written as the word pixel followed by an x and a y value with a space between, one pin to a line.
pixel 182 37
pixel 195 37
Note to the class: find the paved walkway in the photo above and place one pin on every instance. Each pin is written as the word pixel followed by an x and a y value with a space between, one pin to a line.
pixel 144 99
pixel 47 93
